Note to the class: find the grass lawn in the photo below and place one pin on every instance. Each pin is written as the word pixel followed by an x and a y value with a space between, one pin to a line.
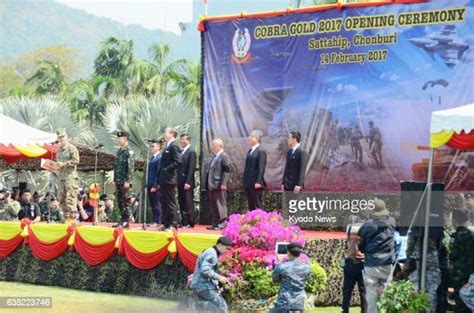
pixel 70 300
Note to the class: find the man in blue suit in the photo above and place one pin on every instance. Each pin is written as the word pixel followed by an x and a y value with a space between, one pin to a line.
pixel 152 181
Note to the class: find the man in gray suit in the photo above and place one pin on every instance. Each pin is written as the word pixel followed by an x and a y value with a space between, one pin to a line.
pixel 217 177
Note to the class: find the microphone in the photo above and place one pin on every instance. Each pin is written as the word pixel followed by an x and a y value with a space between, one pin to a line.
pixel 99 146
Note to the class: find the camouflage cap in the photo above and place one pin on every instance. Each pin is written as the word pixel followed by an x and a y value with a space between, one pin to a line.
pixel 61 132
pixel 123 134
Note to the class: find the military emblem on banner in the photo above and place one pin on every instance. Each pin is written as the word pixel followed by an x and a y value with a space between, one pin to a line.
pixel 241 45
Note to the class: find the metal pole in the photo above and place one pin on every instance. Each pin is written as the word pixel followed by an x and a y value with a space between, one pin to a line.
pixel 146 188
pixel 205 7
pixel 96 213
pixel 427 222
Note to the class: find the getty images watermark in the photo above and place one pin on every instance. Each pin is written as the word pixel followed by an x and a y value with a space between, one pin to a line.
pixel 336 210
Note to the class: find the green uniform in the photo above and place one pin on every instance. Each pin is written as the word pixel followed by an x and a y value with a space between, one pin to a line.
pixel 462 262
pixel 68 157
pixel 10 212
pixel 123 172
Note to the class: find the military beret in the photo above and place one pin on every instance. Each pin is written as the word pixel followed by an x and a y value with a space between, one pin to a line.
pixel 294 247
pixel 123 134
pixel 61 132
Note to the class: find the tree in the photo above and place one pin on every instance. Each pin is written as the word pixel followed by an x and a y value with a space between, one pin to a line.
pixel 148 117
pixel 46 113
pixel 68 58
pixel 10 80
pixel 114 58
pixel 138 74
pixel 48 78
pixel 88 98
pixel 187 82
pixel 162 68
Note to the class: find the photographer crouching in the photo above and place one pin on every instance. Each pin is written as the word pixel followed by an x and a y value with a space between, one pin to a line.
pixel 206 279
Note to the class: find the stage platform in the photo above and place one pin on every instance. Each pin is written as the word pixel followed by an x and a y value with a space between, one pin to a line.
pixel 201 229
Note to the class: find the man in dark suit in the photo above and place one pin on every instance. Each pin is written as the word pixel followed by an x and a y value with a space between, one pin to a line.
pixel 186 181
pixel 168 178
pixel 255 163
pixel 152 180
pixel 295 167
pixel 217 177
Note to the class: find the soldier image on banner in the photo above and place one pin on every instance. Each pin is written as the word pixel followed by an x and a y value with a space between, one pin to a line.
pixel 375 144
pixel 355 137
pixel 67 159
pixel 123 172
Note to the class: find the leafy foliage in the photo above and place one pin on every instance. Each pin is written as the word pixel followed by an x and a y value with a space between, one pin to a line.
pixel 47 78
pixel 402 297
pixel 318 279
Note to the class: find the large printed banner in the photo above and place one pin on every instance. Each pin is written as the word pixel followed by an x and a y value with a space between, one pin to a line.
pixel 359 84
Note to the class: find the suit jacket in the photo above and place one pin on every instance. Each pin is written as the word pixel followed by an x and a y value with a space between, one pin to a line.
pixel 187 168
pixel 218 173
pixel 254 171
pixel 170 161
pixel 153 170
pixel 295 168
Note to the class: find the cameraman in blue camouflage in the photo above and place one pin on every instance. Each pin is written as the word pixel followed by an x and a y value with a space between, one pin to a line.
pixel 206 279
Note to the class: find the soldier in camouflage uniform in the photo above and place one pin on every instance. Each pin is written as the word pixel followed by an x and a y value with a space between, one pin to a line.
pixel 123 172
pixel 461 255
pixel 433 273
pixel 292 276
pixel 375 144
pixel 205 280
pixel 356 136
pixel 67 159
pixel 11 209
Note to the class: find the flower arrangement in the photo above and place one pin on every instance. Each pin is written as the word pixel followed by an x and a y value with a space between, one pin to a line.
pixel 248 264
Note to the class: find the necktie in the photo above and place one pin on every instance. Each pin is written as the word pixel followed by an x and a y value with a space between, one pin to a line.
pixel 214 160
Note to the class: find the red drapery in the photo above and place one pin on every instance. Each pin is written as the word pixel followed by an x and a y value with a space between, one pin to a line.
pixel 46 251
pixel 8 246
pixel 92 254
pixel 144 261
pixel 462 141
pixel 188 258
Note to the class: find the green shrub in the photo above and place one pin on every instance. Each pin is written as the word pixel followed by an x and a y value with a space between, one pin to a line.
pixel 261 285
pixel 318 279
pixel 402 297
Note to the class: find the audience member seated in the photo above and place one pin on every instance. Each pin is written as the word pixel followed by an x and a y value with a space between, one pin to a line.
pixel 29 209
